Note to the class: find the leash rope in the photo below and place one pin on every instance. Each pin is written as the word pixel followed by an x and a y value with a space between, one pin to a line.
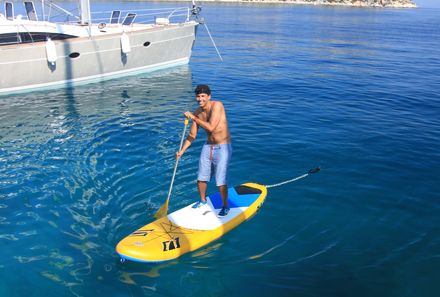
pixel 314 170
pixel 286 182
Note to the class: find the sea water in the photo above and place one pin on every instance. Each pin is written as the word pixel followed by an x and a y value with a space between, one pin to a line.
pixel 354 91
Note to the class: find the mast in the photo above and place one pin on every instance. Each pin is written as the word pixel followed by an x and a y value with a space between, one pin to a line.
pixel 85 12
pixel 42 10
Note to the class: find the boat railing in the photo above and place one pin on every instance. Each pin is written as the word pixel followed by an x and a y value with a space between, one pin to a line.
pixel 145 16
pixel 17 30
pixel 52 12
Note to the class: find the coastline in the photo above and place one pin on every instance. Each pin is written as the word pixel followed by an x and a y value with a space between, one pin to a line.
pixel 352 3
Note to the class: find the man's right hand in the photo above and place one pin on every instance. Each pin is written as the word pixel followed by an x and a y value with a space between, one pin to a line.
pixel 189 115
pixel 178 155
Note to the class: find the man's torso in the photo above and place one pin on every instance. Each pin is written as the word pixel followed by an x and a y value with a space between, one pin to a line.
pixel 220 134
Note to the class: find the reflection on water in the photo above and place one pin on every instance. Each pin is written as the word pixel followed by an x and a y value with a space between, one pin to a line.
pixel 68 162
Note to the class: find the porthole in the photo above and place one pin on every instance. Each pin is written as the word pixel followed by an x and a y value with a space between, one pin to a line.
pixel 74 55
pixel 147 43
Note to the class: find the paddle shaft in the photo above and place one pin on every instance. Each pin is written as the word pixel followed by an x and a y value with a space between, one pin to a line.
pixel 177 161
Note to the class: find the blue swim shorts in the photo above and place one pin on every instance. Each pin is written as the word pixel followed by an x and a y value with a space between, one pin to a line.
pixel 214 160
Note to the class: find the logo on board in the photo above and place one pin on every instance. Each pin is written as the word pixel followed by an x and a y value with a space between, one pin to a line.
pixel 171 244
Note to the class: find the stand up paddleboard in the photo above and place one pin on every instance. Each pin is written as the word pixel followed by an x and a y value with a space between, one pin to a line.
pixel 188 229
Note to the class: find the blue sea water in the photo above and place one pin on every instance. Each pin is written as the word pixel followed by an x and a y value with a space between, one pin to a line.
pixel 355 91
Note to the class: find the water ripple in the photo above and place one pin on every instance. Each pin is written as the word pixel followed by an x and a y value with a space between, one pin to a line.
pixel 305 86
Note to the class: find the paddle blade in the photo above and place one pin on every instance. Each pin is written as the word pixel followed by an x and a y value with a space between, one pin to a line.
pixel 163 210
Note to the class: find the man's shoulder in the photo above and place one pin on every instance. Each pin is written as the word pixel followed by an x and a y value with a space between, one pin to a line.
pixel 217 104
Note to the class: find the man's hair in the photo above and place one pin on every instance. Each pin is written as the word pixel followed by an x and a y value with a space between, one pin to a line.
pixel 202 89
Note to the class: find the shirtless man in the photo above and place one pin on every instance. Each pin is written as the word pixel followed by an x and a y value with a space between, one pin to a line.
pixel 216 153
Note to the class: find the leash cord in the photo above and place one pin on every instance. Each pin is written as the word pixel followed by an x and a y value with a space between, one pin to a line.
pixel 286 182
pixel 314 170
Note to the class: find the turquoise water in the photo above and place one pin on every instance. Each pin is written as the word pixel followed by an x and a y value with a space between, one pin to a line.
pixel 355 91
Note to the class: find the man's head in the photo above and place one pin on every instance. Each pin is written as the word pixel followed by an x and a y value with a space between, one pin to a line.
pixel 203 95
pixel 202 89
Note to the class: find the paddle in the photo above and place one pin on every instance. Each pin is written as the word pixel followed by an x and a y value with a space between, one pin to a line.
pixel 163 210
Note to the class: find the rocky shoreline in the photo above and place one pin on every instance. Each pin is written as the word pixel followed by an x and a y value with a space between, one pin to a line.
pixel 357 3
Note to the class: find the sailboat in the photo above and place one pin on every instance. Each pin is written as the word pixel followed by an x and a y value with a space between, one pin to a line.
pixel 37 50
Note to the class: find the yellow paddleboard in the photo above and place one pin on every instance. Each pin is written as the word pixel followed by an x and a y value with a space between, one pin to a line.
pixel 188 229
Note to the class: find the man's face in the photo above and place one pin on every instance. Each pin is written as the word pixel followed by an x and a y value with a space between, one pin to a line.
pixel 203 99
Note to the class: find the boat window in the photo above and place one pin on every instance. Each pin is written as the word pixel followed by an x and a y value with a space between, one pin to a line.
pixel 114 19
pixel 9 10
pixel 129 19
pixel 147 43
pixel 74 55
pixel 30 11
pixel 29 37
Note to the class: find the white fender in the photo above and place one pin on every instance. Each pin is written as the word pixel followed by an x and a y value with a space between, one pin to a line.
pixel 162 21
pixel 125 44
pixel 51 51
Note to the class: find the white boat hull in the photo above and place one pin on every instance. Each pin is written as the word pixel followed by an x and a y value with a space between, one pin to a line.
pixel 26 66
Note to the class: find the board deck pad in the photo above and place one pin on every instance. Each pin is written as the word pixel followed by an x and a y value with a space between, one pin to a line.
pixel 206 217
pixel 240 196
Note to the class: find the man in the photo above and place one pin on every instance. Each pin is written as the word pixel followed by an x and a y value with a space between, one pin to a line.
pixel 216 153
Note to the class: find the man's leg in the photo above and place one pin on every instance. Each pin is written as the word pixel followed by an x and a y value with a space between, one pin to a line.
pixel 202 185
pixel 224 193
pixel 204 175
pixel 221 162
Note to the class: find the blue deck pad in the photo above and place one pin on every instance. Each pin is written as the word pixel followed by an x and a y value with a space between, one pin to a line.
pixel 234 199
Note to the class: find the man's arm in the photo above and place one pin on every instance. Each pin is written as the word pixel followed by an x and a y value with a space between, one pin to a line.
pixel 189 140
